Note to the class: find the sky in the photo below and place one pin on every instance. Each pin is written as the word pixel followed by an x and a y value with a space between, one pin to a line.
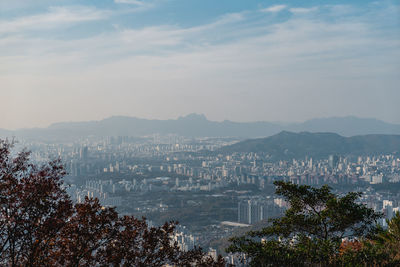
pixel 240 60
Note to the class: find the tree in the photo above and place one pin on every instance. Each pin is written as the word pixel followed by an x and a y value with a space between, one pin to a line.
pixel 33 208
pixel 40 226
pixel 89 230
pixel 312 229
pixel 380 249
pixel 390 239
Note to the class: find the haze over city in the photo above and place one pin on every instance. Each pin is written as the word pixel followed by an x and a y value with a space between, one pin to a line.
pixel 161 59
pixel 199 133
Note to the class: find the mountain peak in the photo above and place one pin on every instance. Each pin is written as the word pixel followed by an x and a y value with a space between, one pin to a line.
pixel 194 116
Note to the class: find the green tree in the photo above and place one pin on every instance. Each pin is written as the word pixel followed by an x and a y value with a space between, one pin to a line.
pixel 390 239
pixel 311 231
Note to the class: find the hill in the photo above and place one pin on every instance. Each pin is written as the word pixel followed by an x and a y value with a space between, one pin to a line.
pixel 288 145
pixel 346 126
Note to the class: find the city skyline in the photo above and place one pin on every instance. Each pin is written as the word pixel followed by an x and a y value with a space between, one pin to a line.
pixel 237 60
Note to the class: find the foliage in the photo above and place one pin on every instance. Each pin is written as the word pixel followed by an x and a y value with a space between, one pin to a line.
pixel 384 245
pixel 389 240
pixel 380 249
pixel 40 226
pixel 312 230
pixel 33 208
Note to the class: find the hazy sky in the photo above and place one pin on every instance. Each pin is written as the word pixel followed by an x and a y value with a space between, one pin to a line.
pixel 240 60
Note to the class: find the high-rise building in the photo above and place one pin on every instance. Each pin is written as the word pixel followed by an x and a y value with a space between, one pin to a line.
pixel 243 212
pixel 333 161
pixel 83 153
pixel 253 211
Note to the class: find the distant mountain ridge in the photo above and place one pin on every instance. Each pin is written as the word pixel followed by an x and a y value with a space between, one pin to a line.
pixel 197 125
pixel 347 126
pixel 288 145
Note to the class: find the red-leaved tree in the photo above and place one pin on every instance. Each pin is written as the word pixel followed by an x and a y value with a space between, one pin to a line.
pixel 33 208
pixel 40 226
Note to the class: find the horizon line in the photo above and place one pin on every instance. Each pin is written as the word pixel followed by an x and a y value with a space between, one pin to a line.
pixel 282 123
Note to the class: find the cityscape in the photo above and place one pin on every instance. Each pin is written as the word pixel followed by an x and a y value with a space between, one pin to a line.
pixel 183 133
pixel 210 192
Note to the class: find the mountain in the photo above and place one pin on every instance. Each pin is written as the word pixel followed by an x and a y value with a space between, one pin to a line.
pixel 346 126
pixel 195 125
pixel 288 145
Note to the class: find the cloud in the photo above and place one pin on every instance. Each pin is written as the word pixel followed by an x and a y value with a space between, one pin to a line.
pixel 124 41
pixel 291 39
pixel 55 17
pixel 151 37
pixel 302 10
pixel 255 65
pixel 132 2
pixel 273 9
pixel 138 5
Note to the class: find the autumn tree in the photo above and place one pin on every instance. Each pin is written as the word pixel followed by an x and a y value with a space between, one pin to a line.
pixel 312 229
pixel 40 226
pixel 33 208
pixel 389 239
pixel 96 235
pixel 382 248
pixel 89 230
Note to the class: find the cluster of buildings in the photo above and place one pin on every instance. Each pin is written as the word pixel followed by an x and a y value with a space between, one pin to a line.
pixel 185 240
pixel 386 202
pixel 256 209
pixel 135 174
pixel 104 191
pixel 176 156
